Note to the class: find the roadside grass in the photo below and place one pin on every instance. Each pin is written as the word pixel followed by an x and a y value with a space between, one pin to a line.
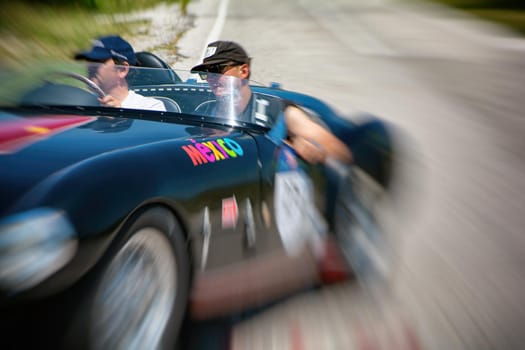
pixel 508 13
pixel 36 32
pixel 512 19
pixel 114 6
pixel 169 46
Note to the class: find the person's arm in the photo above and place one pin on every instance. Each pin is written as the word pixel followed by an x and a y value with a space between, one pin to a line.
pixel 311 141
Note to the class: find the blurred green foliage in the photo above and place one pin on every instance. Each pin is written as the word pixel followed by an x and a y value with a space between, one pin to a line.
pixel 493 4
pixel 55 29
pixel 510 13
pixel 107 6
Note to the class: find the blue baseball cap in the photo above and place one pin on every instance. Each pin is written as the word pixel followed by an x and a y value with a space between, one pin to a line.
pixel 106 47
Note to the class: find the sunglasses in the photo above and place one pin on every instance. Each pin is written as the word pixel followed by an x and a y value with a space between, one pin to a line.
pixel 217 69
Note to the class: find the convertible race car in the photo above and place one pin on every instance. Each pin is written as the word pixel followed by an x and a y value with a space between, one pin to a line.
pixel 133 219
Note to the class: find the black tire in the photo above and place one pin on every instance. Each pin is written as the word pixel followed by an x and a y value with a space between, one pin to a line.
pixel 140 296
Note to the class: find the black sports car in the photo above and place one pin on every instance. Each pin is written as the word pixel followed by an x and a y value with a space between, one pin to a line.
pixel 136 218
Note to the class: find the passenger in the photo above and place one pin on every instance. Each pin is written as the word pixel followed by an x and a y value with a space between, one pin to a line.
pixel 115 56
pixel 310 140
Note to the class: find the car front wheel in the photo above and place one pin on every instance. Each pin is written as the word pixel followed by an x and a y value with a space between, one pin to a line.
pixel 141 296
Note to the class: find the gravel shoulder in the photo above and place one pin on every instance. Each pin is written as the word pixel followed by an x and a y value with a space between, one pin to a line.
pixel 178 39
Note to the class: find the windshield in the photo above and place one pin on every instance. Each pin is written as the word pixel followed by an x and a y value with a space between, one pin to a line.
pixel 89 84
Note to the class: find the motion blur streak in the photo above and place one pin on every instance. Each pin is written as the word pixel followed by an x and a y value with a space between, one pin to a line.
pixel 452 86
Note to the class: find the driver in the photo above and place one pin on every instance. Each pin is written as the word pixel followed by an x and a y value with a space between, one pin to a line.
pixel 114 57
pixel 311 141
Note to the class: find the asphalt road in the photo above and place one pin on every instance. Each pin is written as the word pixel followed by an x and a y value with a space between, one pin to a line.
pixel 453 88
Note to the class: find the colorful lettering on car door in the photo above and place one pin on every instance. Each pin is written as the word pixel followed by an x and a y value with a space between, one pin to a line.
pixel 213 151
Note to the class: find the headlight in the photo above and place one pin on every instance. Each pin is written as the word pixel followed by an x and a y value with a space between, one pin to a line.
pixel 34 245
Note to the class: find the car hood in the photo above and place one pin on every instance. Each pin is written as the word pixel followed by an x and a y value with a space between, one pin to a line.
pixel 34 148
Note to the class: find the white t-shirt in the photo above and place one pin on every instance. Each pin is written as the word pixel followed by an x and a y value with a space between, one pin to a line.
pixel 134 100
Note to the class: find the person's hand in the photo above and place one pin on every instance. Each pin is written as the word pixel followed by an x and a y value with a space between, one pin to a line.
pixel 314 142
pixel 307 150
pixel 109 101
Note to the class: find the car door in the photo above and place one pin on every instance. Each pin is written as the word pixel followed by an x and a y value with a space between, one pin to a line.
pixel 228 187
pixel 242 260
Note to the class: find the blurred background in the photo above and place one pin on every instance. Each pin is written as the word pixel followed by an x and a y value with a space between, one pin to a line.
pixel 35 29
pixel 55 29
pixel 447 75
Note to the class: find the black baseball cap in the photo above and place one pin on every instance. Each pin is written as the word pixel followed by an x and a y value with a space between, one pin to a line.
pixel 219 52
pixel 106 47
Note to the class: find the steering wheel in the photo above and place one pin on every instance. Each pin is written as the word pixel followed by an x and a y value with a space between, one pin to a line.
pixel 89 83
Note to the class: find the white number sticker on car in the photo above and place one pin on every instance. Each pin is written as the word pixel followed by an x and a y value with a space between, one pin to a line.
pixel 298 220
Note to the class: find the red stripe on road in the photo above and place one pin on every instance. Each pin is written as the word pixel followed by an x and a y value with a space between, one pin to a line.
pixel 412 340
pixel 365 341
pixel 296 336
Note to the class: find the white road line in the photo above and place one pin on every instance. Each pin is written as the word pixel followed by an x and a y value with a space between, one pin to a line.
pixel 217 27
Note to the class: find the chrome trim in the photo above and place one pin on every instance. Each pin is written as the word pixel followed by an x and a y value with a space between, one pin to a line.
pixel 206 233
pixel 249 226
pixel 33 246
